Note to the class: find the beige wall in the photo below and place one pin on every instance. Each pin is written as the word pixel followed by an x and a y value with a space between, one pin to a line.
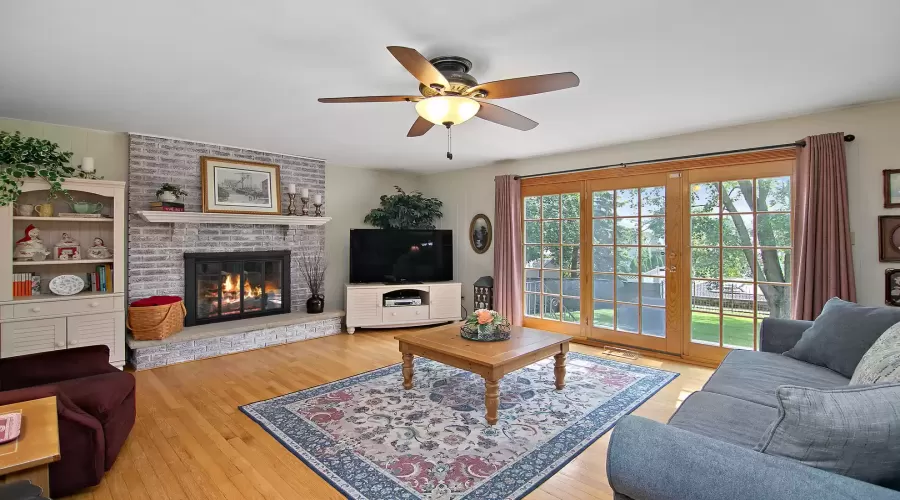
pixel 109 149
pixel 351 193
pixel 877 147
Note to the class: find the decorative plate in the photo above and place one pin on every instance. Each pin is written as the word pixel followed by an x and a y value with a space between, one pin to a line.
pixel 10 423
pixel 66 284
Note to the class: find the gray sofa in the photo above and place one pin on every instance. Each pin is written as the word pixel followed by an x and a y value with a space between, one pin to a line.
pixel 707 449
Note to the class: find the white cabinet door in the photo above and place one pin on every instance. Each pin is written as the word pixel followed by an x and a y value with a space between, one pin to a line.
pixel 363 307
pixel 445 301
pixel 99 329
pixel 29 337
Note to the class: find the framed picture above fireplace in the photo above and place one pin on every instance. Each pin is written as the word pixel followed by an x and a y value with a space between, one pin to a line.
pixel 240 187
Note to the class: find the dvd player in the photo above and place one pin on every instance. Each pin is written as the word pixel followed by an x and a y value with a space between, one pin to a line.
pixel 402 301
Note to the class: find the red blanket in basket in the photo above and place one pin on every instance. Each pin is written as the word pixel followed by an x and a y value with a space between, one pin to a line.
pixel 159 300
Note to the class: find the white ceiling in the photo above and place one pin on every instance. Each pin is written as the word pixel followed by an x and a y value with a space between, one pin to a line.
pixel 248 73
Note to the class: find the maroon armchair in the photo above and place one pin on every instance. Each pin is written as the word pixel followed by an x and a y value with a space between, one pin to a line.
pixel 94 401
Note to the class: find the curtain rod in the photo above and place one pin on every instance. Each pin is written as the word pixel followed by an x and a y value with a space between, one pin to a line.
pixel 800 143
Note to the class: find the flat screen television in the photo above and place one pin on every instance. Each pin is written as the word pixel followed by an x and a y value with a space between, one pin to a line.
pixel 399 256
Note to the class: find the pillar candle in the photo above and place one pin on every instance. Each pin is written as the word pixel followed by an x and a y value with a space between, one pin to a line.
pixel 87 164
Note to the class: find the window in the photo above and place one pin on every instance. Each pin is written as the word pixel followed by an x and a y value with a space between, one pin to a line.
pixel 740 237
pixel 553 257
pixel 629 266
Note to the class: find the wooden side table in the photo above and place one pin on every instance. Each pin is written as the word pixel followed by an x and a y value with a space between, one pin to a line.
pixel 30 455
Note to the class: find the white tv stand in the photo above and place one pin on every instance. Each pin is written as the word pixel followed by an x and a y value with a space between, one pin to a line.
pixel 441 303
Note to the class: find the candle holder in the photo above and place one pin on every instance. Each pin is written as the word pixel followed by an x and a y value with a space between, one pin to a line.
pixel 318 209
pixel 292 208
pixel 304 210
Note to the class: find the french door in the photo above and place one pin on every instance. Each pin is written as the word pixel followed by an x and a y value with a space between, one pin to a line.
pixel 634 259
pixel 685 258
pixel 739 260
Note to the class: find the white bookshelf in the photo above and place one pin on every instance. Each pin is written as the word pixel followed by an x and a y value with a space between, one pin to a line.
pixel 46 322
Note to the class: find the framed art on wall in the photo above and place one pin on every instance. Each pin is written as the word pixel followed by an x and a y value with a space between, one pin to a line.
pixel 480 233
pixel 889 238
pixel 240 187
pixel 892 188
pixel 892 287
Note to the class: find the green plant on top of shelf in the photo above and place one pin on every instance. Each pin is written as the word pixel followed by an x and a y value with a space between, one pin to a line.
pixel 24 158
pixel 405 211
pixel 171 188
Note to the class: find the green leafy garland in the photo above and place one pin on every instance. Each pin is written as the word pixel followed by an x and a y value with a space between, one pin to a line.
pixel 24 158
pixel 405 211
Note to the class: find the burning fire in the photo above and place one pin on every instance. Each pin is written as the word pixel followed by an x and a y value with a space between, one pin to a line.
pixel 232 283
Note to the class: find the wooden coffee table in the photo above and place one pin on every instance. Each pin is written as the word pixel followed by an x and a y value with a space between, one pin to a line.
pixel 491 360
pixel 30 455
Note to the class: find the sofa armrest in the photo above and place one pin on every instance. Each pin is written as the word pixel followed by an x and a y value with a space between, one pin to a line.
pixel 648 460
pixel 81 441
pixel 54 366
pixel 780 335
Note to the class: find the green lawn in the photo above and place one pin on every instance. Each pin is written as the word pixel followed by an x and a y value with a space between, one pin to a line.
pixel 704 327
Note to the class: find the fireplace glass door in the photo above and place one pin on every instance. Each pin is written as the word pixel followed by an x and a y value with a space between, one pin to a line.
pixel 234 288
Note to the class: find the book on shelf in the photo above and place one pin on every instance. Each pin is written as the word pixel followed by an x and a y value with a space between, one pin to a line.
pixel 167 209
pixel 26 284
pixel 172 204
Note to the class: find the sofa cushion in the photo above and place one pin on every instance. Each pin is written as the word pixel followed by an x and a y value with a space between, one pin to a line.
pixel 754 376
pixel 99 395
pixel 842 334
pixel 881 363
pixel 852 431
pixel 725 418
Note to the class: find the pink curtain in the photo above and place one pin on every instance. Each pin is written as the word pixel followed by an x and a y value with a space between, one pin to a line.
pixel 508 282
pixel 823 260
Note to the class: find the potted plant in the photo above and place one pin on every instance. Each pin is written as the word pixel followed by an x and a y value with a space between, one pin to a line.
pixel 170 192
pixel 405 211
pixel 312 268
pixel 24 158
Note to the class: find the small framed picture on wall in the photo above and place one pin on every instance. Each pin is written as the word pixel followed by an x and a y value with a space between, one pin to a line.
pixel 889 238
pixel 892 287
pixel 892 188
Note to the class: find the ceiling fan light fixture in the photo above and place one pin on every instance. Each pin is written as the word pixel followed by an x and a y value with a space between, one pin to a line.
pixel 444 109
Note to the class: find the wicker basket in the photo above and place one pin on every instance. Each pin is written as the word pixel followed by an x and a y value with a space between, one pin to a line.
pixel 156 322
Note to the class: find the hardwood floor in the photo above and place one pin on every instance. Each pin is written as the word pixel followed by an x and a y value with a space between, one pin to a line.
pixel 191 442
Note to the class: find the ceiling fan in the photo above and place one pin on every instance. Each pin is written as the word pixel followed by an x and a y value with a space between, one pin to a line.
pixel 450 95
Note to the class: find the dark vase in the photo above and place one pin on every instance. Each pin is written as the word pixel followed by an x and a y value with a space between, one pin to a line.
pixel 315 304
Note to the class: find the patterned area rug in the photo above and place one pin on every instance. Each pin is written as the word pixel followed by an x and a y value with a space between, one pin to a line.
pixel 373 440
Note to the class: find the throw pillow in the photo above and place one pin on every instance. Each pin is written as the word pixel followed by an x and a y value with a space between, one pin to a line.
pixel 842 334
pixel 881 363
pixel 853 431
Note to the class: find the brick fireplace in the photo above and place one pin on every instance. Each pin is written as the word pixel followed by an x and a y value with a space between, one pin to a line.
pixel 238 270
pixel 156 251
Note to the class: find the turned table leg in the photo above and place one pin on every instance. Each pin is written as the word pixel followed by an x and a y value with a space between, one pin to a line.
pixel 407 371
pixel 491 399
pixel 559 369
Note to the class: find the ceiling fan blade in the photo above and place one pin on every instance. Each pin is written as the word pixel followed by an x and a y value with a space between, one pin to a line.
pixel 526 85
pixel 373 98
pixel 415 63
pixel 419 127
pixel 503 116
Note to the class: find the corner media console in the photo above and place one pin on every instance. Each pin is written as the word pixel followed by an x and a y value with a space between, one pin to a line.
pixel 440 303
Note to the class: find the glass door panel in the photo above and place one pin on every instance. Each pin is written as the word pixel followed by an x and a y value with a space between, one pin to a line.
pixel 739 258
pixel 629 260
pixel 553 260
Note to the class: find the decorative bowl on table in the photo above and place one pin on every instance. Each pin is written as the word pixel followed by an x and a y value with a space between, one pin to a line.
pixel 485 325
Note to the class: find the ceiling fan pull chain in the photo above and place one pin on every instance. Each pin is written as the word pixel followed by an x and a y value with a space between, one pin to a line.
pixel 449 143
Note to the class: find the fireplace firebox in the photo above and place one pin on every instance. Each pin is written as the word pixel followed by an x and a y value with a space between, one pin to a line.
pixel 225 286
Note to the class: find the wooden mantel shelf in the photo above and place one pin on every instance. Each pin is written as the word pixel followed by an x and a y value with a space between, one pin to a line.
pixel 207 218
